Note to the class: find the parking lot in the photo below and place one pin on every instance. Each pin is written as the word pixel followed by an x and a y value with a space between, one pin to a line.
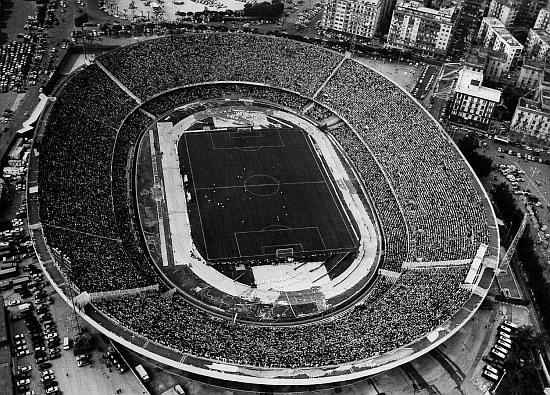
pixel 53 319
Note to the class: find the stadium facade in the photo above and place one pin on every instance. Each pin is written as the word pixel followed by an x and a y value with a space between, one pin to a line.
pixel 439 234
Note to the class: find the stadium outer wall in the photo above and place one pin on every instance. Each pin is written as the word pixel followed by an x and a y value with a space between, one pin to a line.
pixel 287 377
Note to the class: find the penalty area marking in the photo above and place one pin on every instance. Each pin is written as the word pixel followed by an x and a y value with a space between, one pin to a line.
pixel 286 229
pixel 247 147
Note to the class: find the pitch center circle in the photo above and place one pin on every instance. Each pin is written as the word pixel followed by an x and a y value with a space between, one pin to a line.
pixel 262 185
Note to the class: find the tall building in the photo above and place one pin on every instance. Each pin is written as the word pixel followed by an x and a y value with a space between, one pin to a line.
pixel 362 17
pixel 530 74
pixel 543 19
pixel 493 64
pixel 538 45
pixel 467 26
pixel 423 29
pixel 494 35
pixel 504 10
pixel 529 12
pixel 472 103
pixel 532 115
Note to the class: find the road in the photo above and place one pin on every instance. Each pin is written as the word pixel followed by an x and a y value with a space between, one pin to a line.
pixel 425 81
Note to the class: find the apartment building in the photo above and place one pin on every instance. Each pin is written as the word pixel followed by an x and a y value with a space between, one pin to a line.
pixel 362 18
pixel 532 114
pixel 472 103
pixel 422 29
pixel 538 45
pixel 504 10
pixel 494 35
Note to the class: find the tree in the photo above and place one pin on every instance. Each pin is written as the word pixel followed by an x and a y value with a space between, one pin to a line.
pixel 84 343
pixel 506 206
pixel 522 365
pixel 264 10
pixel 481 164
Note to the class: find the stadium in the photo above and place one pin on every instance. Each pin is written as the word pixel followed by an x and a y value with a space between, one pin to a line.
pixel 256 209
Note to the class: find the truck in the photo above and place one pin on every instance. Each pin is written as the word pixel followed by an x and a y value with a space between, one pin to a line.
pixel 142 373
pixel 24 307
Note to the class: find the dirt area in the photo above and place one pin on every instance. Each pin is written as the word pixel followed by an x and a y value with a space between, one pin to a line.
pixel 97 378
pixel 403 74
pixel 14 19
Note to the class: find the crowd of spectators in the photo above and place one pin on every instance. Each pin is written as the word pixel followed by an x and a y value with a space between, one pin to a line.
pixel 167 102
pixel 441 201
pixel 76 206
pixel 418 302
pixel 94 263
pixel 390 218
pixel 319 113
pixel 75 154
pixel 154 66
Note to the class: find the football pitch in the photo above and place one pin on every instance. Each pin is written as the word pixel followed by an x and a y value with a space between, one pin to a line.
pixel 257 193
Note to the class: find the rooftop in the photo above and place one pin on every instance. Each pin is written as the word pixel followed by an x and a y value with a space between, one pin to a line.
pixel 509 3
pixel 469 83
pixel 501 31
pixel 532 63
pixel 419 7
pixel 479 55
pixel 3 323
pixel 543 35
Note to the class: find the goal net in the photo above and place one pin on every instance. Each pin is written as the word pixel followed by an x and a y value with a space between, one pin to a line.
pixel 284 252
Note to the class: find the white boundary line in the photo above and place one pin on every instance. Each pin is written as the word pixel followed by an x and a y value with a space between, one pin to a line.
pixel 331 188
pixel 249 147
pixel 244 186
pixel 195 192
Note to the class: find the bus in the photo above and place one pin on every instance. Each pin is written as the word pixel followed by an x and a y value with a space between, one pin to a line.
pixel 511 325
pixel 498 354
pixel 501 139
pixel 506 346
pixel 492 369
pixel 489 375
pixel 505 329
pixel 501 349
pixel 142 373
pixel 504 335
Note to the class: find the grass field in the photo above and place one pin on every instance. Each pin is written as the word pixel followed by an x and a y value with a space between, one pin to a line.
pixel 258 192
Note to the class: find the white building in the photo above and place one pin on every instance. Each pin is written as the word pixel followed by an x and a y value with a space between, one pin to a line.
pixel 494 35
pixel 416 27
pixel 472 103
pixel 362 17
pixel 538 45
pixel 532 115
pixel 530 74
pixel 543 20
pixel 504 10
pixel 493 64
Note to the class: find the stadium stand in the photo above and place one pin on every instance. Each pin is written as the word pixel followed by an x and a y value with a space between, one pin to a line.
pixel 443 208
pixel 420 300
pixel 426 199
pixel 154 66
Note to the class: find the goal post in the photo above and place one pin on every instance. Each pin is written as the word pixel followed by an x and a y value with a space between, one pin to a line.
pixel 284 252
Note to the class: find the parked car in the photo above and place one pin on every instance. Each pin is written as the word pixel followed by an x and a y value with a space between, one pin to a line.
pixel 24 369
pixel 46 372
pixel 52 390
